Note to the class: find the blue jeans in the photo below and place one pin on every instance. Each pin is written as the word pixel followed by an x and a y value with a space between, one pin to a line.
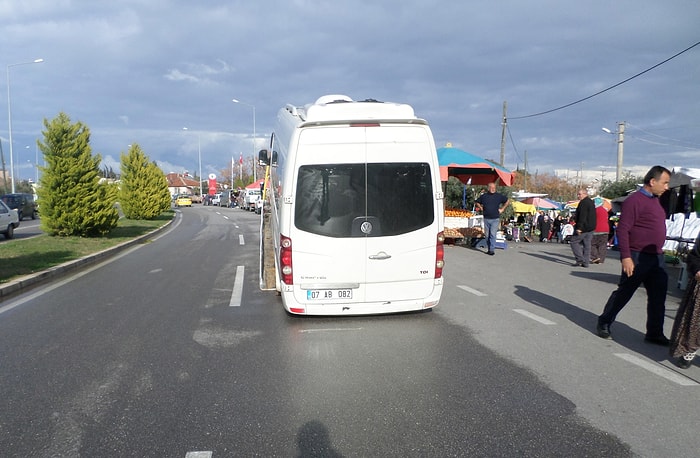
pixel 491 227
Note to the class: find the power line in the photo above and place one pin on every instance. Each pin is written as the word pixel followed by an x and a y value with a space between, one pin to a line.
pixel 693 146
pixel 609 88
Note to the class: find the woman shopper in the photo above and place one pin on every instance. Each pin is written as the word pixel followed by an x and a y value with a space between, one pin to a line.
pixel 685 337
pixel 599 242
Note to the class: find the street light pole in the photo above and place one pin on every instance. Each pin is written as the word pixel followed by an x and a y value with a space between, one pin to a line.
pixel 620 146
pixel 199 156
pixel 9 114
pixel 255 160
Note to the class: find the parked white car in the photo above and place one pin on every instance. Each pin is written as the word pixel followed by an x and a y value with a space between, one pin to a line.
pixel 9 220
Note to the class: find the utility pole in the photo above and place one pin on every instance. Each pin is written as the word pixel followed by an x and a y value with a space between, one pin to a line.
pixel 620 148
pixel 525 171
pixel 503 132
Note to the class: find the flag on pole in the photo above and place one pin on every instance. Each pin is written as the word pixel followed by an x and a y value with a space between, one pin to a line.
pixel 240 161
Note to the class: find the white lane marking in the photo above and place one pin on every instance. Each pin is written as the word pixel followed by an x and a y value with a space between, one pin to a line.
pixel 198 455
pixel 225 217
pixel 240 240
pixel 155 271
pixel 471 290
pixel 237 292
pixel 236 226
pixel 658 370
pixel 329 330
pixel 532 316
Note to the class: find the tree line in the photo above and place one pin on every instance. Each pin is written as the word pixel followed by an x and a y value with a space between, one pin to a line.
pixel 74 197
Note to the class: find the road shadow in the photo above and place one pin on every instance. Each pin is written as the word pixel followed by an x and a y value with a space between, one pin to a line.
pixel 603 277
pixel 313 440
pixel 623 334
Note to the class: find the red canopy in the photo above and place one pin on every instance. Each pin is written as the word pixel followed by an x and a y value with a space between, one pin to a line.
pixel 256 184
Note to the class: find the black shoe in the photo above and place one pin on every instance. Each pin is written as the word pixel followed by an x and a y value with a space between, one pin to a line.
pixel 576 264
pixel 685 363
pixel 603 331
pixel 658 340
pixel 490 253
pixel 584 265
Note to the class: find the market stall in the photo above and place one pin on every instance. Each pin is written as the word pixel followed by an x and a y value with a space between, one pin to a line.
pixel 463 226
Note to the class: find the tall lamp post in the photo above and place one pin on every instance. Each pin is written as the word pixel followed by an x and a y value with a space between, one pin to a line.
pixel 255 161
pixel 620 146
pixel 199 156
pixel 9 114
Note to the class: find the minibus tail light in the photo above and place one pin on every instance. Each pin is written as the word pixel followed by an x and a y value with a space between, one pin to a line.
pixel 439 254
pixel 286 260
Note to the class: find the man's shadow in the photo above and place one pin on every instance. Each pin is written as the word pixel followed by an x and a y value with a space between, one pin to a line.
pixel 622 333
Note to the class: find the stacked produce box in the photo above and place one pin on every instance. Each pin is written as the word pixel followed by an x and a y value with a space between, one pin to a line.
pixel 462 223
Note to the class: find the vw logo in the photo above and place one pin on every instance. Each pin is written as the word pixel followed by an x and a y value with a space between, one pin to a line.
pixel 366 227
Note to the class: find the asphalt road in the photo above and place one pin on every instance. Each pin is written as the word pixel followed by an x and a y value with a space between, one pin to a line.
pixel 28 228
pixel 170 349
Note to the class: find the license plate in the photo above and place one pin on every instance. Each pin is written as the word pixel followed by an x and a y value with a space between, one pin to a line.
pixel 328 294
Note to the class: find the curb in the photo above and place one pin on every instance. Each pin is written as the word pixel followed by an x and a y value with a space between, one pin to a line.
pixel 23 283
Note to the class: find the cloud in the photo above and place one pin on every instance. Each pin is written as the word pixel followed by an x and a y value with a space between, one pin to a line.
pixel 179 63
pixel 177 75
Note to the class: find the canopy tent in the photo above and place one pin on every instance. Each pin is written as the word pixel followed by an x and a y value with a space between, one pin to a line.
pixel 256 184
pixel 603 202
pixel 520 207
pixel 598 201
pixel 683 176
pixel 466 166
pixel 543 204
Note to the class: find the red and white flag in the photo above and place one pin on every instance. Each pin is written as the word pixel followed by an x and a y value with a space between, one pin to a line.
pixel 240 161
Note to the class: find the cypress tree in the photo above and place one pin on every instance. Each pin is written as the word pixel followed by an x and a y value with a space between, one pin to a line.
pixel 161 193
pixel 73 202
pixel 143 186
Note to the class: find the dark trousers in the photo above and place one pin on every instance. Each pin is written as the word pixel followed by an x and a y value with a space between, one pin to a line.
pixel 650 271
pixel 581 246
pixel 599 246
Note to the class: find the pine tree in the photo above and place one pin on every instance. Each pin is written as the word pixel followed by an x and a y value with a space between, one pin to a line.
pixel 144 189
pixel 73 202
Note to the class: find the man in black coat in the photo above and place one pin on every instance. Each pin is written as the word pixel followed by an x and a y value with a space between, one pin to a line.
pixel 583 230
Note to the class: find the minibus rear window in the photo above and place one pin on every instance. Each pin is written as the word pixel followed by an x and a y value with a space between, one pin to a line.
pixel 334 199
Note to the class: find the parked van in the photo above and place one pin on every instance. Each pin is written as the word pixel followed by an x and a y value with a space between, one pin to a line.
pixel 24 203
pixel 356 208
pixel 250 198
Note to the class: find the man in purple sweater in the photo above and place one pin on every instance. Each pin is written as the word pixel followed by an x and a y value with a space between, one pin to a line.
pixel 641 234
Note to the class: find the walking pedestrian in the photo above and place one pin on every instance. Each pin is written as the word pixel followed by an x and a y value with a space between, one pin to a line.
pixel 583 230
pixel 492 204
pixel 599 243
pixel 685 337
pixel 641 234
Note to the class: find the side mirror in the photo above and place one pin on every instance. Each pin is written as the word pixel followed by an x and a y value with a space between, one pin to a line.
pixel 274 159
pixel 264 157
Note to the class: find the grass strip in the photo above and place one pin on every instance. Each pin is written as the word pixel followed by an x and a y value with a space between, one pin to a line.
pixel 20 257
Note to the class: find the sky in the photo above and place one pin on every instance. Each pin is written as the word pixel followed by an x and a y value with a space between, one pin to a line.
pixel 138 71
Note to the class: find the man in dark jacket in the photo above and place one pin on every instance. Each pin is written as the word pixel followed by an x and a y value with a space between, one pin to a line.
pixel 583 230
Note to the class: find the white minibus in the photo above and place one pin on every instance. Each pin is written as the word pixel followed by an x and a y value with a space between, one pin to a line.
pixel 356 208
